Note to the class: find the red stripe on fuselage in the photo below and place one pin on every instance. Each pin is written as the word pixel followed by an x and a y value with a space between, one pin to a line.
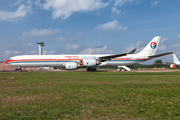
pixel 47 59
pixel 7 61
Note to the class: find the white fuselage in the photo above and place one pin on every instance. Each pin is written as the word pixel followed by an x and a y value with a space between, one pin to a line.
pixel 60 60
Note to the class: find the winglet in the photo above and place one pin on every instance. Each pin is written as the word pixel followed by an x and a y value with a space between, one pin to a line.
pixel 132 51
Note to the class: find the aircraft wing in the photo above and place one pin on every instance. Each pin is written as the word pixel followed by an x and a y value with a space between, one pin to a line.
pixel 112 56
pixel 159 55
pixel 108 57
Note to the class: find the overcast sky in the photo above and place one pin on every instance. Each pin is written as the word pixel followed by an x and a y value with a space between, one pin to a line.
pixel 88 26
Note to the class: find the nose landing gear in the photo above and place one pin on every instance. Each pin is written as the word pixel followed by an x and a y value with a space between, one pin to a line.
pixel 18 69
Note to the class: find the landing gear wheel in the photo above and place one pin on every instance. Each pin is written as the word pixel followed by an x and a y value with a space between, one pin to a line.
pixel 94 69
pixel 91 69
pixel 18 69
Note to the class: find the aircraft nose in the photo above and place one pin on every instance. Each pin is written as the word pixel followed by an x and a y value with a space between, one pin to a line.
pixel 7 61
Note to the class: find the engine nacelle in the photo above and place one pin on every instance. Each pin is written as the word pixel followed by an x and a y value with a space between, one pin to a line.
pixel 172 66
pixel 71 66
pixel 90 62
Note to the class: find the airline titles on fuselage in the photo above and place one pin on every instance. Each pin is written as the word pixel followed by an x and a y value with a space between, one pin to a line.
pixel 79 57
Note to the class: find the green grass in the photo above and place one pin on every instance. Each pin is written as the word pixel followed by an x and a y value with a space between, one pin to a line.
pixel 89 95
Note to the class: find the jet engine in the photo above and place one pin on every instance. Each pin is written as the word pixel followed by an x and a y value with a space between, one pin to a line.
pixel 172 66
pixel 71 66
pixel 90 62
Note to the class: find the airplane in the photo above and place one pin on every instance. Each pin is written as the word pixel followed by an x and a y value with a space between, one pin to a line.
pixel 176 62
pixel 91 62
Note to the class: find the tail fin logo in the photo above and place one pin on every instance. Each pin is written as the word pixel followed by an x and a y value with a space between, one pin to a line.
pixel 153 45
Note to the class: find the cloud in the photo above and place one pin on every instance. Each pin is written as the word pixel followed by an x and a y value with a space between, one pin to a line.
pixel 48 53
pixel 9 53
pixel 16 52
pixel 79 34
pixel 96 50
pixel 38 3
pixel 111 26
pixel 154 2
pixel 139 45
pixel 26 44
pixel 164 40
pixel 119 2
pixel 122 2
pixel 72 46
pixel 124 12
pixel 161 47
pixel 178 36
pixel 114 9
pixel 61 38
pixel 32 52
pixel 176 45
pixel 38 33
pixel 18 2
pixel 65 8
pixel 19 13
pixel 177 53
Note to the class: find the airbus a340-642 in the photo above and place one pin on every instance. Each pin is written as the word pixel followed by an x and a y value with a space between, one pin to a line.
pixel 73 62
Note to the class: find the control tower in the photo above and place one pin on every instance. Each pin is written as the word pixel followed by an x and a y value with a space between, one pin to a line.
pixel 40 47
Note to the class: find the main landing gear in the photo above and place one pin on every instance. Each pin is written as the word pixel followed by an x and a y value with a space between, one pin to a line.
pixel 91 69
pixel 18 69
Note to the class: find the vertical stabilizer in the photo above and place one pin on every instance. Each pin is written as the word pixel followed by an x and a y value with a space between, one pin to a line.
pixel 151 48
pixel 176 61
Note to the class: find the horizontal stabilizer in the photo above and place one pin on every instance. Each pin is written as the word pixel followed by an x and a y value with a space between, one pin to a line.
pixel 159 55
